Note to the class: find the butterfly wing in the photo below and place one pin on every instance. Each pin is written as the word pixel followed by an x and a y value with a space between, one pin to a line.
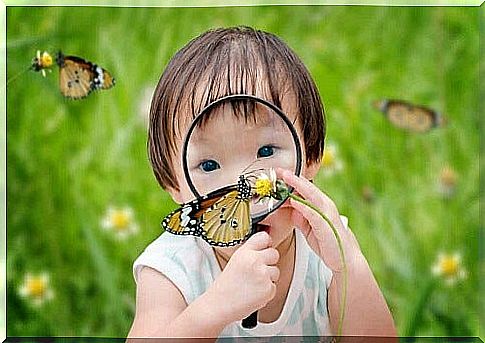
pixel 227 222
pixel 424 119
pixel 106 80
pixel 78 77
pixel 183 221
pixel 186 220
pixel 75 79
pixel 409 117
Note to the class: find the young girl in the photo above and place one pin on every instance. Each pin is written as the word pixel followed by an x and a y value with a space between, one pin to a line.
pixel 291 272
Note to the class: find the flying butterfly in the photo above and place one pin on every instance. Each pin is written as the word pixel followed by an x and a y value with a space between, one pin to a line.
pixel 78 77
pixel 407 116
pixel 222 217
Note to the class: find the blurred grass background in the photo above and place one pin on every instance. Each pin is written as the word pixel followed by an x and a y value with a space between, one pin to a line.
pixel 68 161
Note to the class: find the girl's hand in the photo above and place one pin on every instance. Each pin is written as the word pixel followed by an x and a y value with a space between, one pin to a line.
pixel 318 233
pixel 247 283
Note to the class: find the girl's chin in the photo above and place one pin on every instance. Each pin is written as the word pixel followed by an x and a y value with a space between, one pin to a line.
pixel 277 236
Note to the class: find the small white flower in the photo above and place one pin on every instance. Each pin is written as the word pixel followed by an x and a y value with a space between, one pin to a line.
pixel 331 163
pixel 120 221
pixel 449 267
pixel 36 288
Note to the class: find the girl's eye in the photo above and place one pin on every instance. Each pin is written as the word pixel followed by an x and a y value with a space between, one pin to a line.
pixel 209 165
pixel 265 151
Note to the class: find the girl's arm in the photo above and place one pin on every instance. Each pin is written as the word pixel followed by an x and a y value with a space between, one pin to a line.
pixel 161 310
pixel 366 312
pixel 246 284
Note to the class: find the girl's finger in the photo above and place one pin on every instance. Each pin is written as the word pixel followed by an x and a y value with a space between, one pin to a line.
pixel 304 187
pixel 270 256
pixel 316 223
pixel 259 241
pixel 301 223
pixel 311 193
pixel 274 273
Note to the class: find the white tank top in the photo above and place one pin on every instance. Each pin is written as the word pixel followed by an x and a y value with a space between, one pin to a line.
pixel 189 262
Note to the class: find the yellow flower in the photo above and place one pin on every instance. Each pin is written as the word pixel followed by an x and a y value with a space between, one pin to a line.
pixel 120 221
pixel 42 62
pixel 45 60
pixel 36 288
pixel 330 160
pixel 449 267
pixel 265 187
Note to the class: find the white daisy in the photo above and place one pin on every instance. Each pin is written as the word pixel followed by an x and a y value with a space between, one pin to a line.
pixel 449 267
pixel 120 221
pixel 36 288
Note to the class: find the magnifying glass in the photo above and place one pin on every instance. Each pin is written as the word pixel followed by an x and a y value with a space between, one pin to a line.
pixel 231 144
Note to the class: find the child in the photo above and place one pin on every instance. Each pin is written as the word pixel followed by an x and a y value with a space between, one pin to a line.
pixel 291 272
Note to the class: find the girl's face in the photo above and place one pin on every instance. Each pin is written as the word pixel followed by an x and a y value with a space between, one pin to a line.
pixel 226 146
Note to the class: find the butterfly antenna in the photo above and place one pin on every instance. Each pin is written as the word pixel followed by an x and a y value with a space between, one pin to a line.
pixel 249 165
pixel 252 173
pixel 244 172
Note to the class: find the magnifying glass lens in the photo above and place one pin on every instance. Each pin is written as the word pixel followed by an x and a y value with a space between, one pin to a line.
pixel 241 140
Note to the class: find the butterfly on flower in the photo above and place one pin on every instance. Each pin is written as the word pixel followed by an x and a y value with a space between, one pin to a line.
pixel 78 77
pixel 404 115
pixel 222 218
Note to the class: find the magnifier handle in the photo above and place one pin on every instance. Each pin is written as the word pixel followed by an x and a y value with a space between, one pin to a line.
pixel 251 321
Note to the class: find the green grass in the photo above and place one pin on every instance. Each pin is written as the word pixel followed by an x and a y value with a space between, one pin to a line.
pixel 69 160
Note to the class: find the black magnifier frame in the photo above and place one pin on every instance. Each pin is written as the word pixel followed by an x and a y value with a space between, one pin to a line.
pixel 251 321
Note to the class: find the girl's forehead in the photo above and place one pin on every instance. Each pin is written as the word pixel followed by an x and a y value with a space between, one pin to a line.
pixel 228 122
pixel 234 118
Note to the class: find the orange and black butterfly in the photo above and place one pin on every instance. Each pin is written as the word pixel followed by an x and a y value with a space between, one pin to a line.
pixel 407 116
pixel 222 217
pixel 78 77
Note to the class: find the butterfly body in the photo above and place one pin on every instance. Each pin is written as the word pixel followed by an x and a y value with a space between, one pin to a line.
pixel 222 217
pixel 78 77
pixel 407 116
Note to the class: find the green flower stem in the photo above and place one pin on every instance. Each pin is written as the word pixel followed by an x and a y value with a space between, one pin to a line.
pixel 420 304
pixel 342 256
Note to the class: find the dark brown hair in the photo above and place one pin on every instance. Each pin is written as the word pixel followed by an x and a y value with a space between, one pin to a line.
pixel 220 62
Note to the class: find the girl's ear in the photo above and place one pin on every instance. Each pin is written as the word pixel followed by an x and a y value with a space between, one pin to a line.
pixel 175 194
pixel 311 170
